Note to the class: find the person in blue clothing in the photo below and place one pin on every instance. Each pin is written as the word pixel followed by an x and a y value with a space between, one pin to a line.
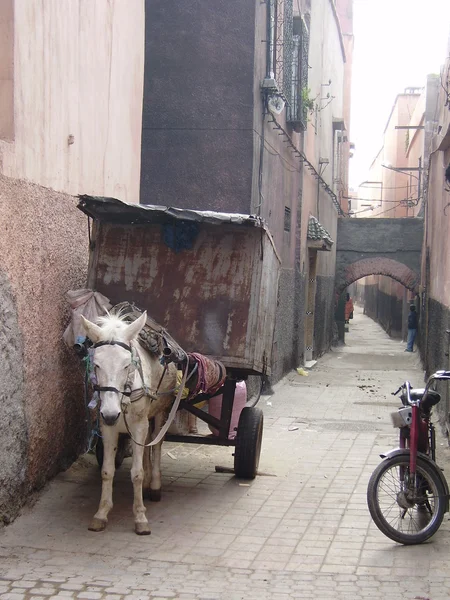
pixel 412 328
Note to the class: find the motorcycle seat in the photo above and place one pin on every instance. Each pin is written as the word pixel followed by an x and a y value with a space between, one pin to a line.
pixel 432 398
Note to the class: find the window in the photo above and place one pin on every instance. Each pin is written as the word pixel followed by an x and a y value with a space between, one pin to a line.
pixel 339 138
pixel 287 218
pixel 300 103
pixel 337 158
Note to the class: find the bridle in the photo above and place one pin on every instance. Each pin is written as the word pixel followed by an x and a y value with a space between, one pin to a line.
pixel 135 395
pixel 132 395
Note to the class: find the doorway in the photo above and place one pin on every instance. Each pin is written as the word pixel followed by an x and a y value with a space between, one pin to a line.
pixel 310 304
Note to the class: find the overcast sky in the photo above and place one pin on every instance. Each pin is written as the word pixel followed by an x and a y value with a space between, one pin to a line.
pixel 397 43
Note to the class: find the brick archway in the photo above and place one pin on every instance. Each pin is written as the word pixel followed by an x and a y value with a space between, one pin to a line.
pixel 378 266
pixel 389 247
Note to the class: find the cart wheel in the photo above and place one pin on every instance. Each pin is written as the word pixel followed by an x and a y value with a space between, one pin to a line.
pixel 120 454
pixel 248 443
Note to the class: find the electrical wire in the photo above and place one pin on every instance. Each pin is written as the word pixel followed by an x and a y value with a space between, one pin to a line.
pixel 382 200
pixel 358 212
pixel 402 171
pixel 294 169
pixel 378 214
pixel 276 153
pixel 301 155
pixel 384 211
pixel 388 210
pixel 395 187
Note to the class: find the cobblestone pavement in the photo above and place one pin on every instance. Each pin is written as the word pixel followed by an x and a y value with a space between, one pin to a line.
pixel 299 530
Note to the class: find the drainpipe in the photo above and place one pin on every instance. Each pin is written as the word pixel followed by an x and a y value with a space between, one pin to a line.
pixel 318 200
pixel 270 39
pixel 419 183
pixel 270 24
pixel 447 354
pixel 261 157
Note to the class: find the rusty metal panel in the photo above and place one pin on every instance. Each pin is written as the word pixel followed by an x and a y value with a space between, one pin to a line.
pixel 217 298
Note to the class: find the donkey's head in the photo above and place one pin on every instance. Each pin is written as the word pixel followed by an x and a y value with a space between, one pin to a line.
pixel 112 359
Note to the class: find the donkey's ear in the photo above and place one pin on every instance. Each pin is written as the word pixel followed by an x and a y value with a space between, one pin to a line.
pixel 135 327
pixel 93 331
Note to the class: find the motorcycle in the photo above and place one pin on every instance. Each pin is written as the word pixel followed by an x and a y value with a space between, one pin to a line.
pixel 408 494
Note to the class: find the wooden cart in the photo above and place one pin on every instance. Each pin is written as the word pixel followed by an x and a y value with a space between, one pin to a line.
pixel 211 279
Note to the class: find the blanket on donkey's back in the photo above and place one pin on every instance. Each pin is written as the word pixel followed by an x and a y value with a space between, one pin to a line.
pixel 153 336
pixel 210 373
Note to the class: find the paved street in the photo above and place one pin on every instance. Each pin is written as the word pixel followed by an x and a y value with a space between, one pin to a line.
pixel 300 530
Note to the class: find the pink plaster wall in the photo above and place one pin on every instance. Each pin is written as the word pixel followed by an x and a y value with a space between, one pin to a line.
pixel 327 60
pixel 76 70
pixel 78 88
pixel 7 70
pixel 345 14
pixel 437 218
pixel 415 151
pixel 43 252
pixel 396 186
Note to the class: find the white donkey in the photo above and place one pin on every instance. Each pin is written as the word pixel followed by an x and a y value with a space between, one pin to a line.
pixel 133 389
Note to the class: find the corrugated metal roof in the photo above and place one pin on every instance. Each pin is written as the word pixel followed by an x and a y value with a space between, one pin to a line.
pixel 317 232
pixel 115 211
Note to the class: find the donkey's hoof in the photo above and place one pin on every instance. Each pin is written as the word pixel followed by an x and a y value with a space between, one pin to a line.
pixel 142 528
pixel 97 524
pixel 154 495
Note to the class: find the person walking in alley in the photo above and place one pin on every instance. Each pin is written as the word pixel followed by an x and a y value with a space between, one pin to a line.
pixel 412 328
pixel 348 309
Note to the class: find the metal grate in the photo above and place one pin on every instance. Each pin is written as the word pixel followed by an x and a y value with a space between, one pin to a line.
pixel 281 45
pixel 288 46
pixel 298 109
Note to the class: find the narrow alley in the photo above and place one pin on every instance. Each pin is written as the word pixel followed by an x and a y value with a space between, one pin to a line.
pixel 301 529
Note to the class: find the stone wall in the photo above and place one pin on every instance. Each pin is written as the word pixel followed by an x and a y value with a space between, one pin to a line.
pixel 284 352
pixel 386 309
pixel 43 254
pixel 323 315
pixel 13 426
pixel 197 138
pixel 390 247
pixel 433 350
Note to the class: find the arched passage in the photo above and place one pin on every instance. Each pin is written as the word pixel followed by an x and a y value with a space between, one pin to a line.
pixel 389 247
pixel 378 265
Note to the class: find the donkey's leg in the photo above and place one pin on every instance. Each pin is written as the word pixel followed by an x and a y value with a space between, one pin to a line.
pixel 192 423
pixel 147 463
pixel 141 525
pixel 155 482
pixel 110 438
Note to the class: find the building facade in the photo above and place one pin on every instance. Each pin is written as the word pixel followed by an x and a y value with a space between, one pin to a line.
pixel 435 296
pixel 71 77
pixel 254 122
pixel 395 188
pixel 240 107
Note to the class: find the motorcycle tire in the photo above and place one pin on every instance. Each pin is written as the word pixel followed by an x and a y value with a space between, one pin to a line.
pixel 414 522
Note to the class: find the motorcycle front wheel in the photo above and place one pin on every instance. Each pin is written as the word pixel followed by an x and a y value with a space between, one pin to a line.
pixel 403 516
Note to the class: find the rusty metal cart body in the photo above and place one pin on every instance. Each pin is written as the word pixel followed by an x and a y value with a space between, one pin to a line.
pixel 210 279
